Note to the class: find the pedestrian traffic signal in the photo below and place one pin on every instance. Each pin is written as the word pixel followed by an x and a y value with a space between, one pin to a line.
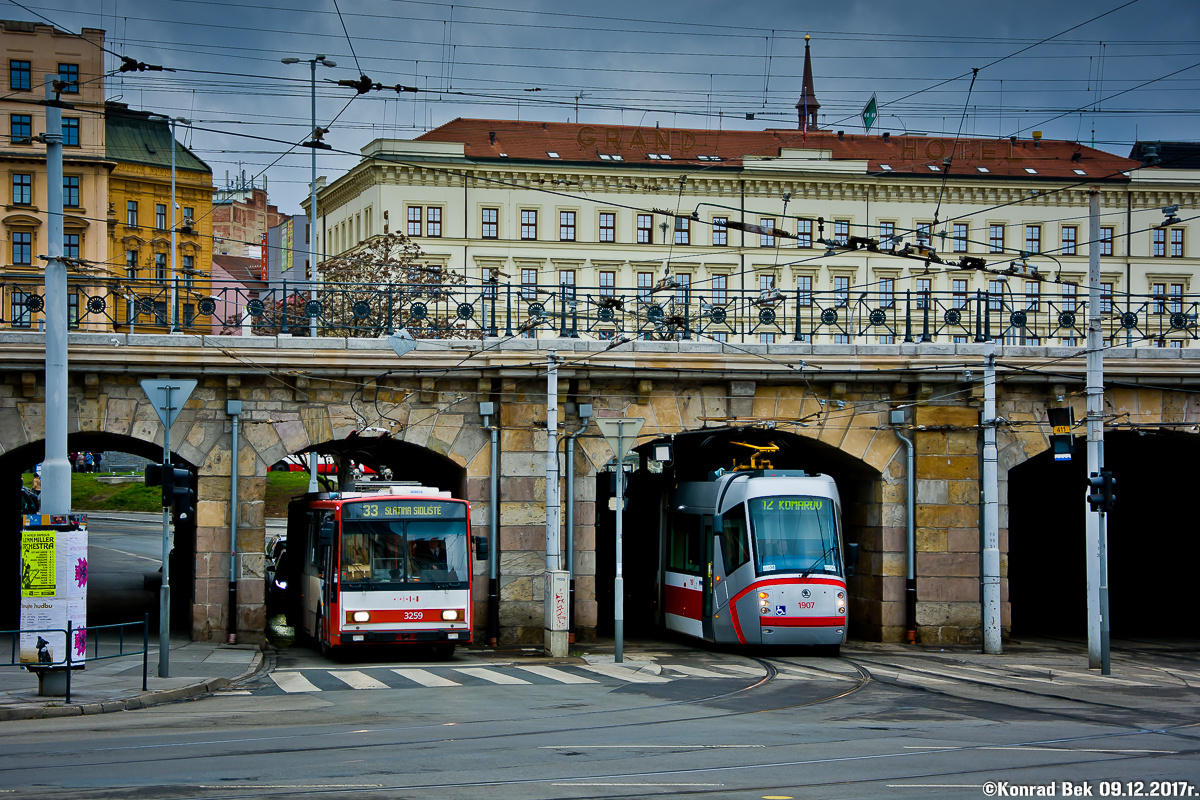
pixel 1102 491
pixel 182 493
pixel 1062 443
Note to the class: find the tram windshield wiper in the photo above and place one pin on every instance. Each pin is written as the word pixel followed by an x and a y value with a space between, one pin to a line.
pixel 819 562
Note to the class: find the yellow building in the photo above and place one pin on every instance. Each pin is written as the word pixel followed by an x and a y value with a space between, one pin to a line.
pixel 33 51
pixel 155 292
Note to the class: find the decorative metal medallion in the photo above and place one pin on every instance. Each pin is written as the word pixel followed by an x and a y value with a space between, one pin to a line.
pixel 96 305
pixel 654 313
pixel 766 316
pixel 207 306
pixel 1129 320
pixel 718 315
pixel 878 317
pixel 35 302
pixel 829 316
pixel 1018 319
pixel 256 307
pixel 465 311
pixel 536 309
pixel 953 316
pixel 1067 319
pixel 1178 320
pixel 361 309
pixel 418 311
pixel 145 305
pixel 606 315
pixel 312 309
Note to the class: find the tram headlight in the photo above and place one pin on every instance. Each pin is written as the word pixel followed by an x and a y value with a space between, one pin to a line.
pixel 360 616
pixel 451 614
pixel 764 595
pixel 763 609
pixel 841 596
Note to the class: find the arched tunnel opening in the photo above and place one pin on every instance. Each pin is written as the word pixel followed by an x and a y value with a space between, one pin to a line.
pixel 1151 539
pixel 387 458
pixel 124 549
pixel 694 455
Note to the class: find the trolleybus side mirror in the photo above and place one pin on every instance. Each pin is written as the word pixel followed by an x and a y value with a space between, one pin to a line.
pixel 481 547
pixel 325 536
pixel 851 559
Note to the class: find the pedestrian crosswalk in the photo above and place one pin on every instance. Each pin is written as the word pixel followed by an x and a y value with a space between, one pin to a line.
pixel 324 679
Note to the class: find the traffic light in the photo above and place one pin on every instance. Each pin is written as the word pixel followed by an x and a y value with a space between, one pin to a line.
pixel 182 492
pixel 1102 491
pixel 1062 443
pixel 154 477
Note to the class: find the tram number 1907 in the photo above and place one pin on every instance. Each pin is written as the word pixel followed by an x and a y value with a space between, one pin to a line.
pixel 807 605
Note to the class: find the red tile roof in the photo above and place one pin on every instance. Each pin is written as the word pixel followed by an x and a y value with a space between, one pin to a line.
pixel 909 155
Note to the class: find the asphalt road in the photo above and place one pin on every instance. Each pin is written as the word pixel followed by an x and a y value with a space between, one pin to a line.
pixel 790 727
pixel 123 551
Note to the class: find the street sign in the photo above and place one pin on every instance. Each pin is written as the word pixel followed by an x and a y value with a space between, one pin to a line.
pixel 869 113
pixel 167 404
pixel 620 432
pixel 402 342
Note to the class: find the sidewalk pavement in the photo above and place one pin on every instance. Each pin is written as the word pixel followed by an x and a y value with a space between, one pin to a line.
pixel 115 684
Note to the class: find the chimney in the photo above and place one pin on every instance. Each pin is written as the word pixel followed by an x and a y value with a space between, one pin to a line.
pixel 491 137
pixel 887 137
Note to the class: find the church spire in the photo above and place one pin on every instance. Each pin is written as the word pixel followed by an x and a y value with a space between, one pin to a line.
pixel 808 105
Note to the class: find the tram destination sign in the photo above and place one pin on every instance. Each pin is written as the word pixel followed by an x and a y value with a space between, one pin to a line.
pixel 403 509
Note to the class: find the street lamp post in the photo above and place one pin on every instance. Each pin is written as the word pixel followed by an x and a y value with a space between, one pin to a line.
pixel 313 143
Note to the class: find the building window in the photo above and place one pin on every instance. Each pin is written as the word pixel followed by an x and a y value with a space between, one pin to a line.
pixel 887 232
pixel 491 223
pixel 433 222
pixel 1069 235
pixel 608 280
pixel 69 74
pixel 71 245
pixel 566 226
pixel 21 315
pixel 924 287
pixel 189 218
pixel 20 76
pixel 1160 243
pixel 608 227
pixel 1159 292
pixel 684 280
pixel 566 282
pixel 1106 241
pixel 414 220
pixel 804 233
pixel 720 231
pixel 804 295
pixel 1068 296
pixel 924 233
pixel 961 235
pixel 188 312
pixel 22 248
pixel 73 310
pixel 1033 297
pixel 160 216
pixel 160 267
pixel 841 231
pixel 995 295
pixel 766 239
pixel 645 228
pixel 529 283
pixel 841 290
pixel 529 225
pixel 887 292
pixel 189 271
pixel 959 287
pixel 131 213
pixel 22 189
pixel 720 336
pixel 995 238
pixel 1177 243
pixel 720 286
pixel 645 282
pixel 1106 298
pixel 766 338
pixel 71 191
pixel 683 230
pixel 1033 238
pixel 1176 298
pixel 21 128
pixel 70 131
pixel 841 338
pixel 131 264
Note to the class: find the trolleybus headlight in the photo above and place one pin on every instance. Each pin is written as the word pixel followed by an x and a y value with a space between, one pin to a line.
pixel 361 616
pixel 450 614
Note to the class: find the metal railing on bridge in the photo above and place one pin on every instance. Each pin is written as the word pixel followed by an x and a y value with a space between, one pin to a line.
pixel 669 312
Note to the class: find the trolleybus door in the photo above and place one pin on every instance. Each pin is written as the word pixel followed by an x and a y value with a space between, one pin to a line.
pixel 328 544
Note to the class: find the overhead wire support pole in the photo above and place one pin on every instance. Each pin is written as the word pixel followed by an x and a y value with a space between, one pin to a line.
pixel 1094 537
pixel 991 508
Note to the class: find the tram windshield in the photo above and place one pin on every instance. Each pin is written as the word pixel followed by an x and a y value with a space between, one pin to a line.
pixel 794 534
pixel 382 554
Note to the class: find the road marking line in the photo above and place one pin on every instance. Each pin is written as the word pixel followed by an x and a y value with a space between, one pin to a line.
pixel 695 672
pixel 127 553
pixel 557 674
pixel 743 669
pixel 425 677
pixel 647 746
pixel 491 676
pixel 637 784
pixel 357 680
pixel 292 682
pixel 1037 747
pixel 624 673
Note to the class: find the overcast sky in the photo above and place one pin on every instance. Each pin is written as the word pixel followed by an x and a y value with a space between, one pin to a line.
pixel 1043 66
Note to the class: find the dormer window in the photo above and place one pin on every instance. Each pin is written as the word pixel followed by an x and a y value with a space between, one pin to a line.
pixel 611 157
pixel 658 156
pixel 710 158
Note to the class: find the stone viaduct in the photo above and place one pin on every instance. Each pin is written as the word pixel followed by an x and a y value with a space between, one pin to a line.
pixel 420 416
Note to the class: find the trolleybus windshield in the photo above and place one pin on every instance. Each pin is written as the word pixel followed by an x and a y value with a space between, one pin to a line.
pixel 383 554
pixel 794 534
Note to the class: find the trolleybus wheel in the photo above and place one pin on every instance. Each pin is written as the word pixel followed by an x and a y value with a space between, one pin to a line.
pixel 443 651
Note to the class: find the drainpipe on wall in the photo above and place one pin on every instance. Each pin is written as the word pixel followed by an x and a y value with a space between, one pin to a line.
pixel 910 579
pixel 585 414
pixel 233 408
pixel 487 410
